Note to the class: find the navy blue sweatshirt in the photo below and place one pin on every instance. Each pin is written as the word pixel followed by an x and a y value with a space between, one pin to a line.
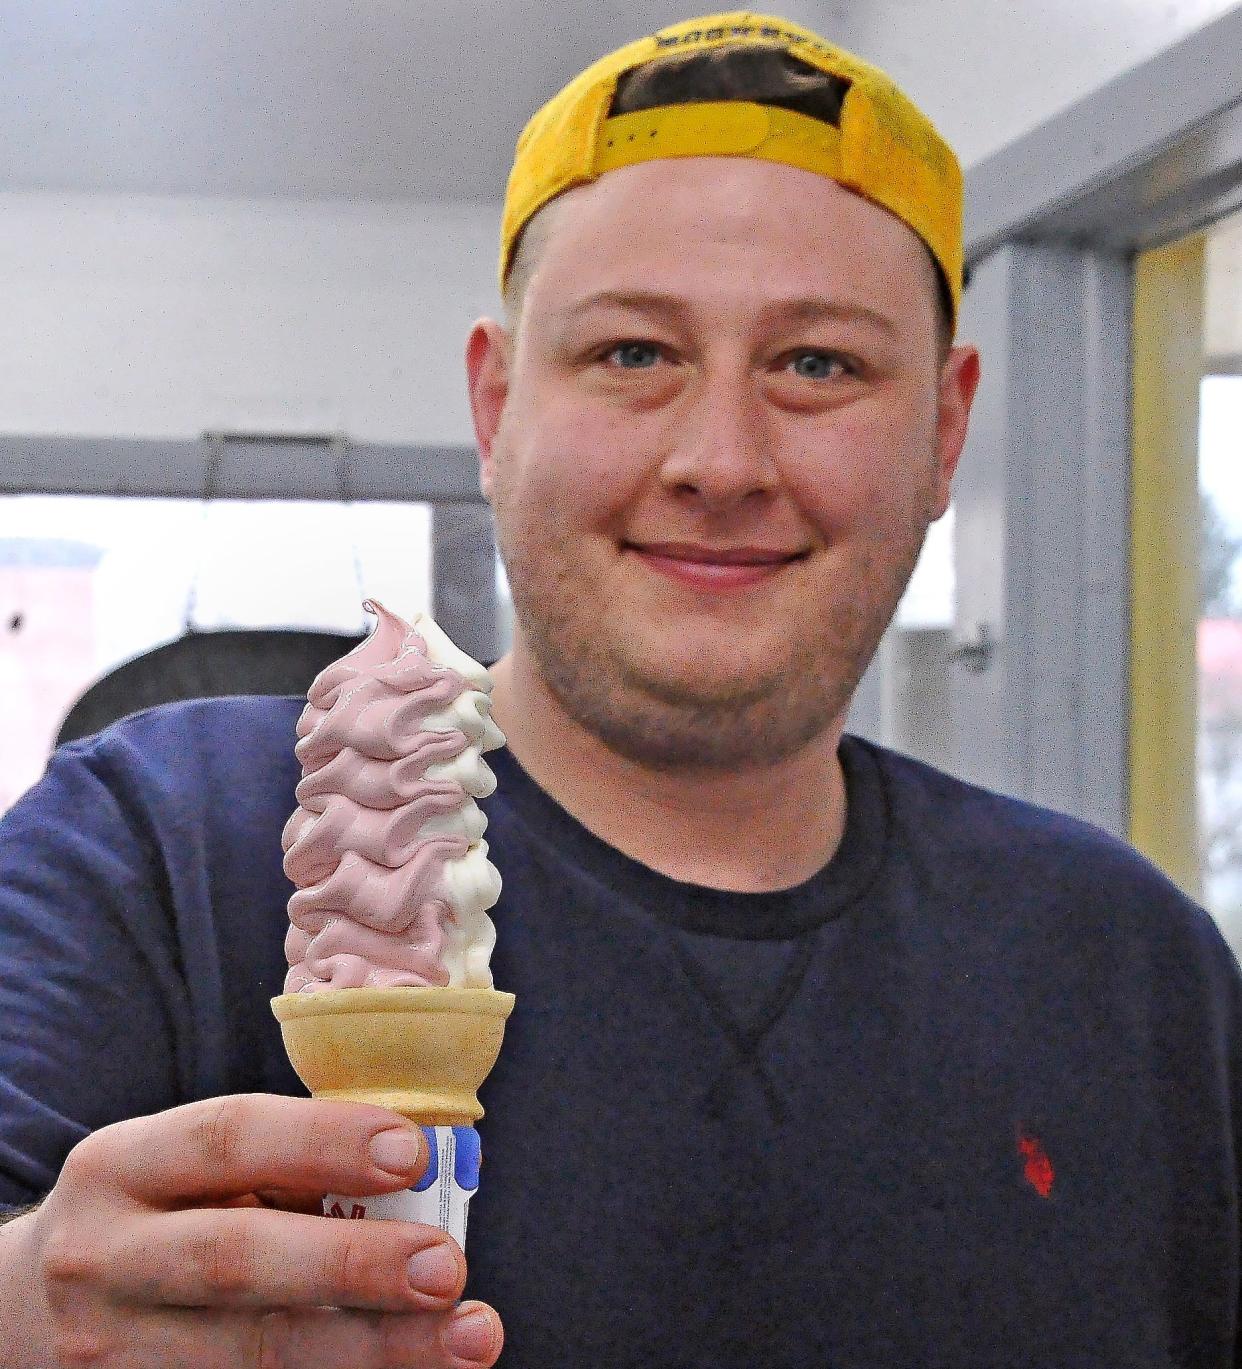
pixel 966 1097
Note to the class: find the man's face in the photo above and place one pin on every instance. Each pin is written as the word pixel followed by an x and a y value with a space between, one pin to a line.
pixel 713 446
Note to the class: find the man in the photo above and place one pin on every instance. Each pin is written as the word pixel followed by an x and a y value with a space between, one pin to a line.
pixel 820 1057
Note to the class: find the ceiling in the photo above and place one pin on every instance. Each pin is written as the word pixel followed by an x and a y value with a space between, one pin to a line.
pixel 301 98
pixel 407 99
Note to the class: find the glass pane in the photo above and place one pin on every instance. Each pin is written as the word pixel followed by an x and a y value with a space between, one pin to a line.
pixel 1220 650
pixel 86 583
pixel 1220 625
pixel 931 595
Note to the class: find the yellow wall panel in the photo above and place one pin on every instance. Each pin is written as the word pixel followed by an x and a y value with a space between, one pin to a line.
pixel 1168 365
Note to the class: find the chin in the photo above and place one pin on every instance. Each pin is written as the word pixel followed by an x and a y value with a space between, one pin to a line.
pixel 672 705
pixel 669 727
pixel 712 676
pixel 695 646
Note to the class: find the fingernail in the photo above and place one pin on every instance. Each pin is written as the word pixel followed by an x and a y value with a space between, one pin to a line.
pixel 470 1336
pixel 398 1151
pixel 434 1271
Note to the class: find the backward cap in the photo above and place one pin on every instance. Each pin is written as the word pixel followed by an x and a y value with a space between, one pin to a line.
pixel 885 148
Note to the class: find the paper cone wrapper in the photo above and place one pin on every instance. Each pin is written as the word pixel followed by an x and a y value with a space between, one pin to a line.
pixel 420 1052
pixel 441 1196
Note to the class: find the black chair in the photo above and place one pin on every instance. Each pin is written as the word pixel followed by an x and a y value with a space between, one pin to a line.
pixel 203 665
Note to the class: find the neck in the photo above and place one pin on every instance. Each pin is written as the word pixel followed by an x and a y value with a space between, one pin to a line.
pixel 748 829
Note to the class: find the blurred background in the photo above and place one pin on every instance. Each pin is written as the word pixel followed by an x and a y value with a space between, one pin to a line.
pixel 240 247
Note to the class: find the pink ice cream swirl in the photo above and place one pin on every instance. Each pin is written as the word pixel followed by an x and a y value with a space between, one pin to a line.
pixel 386 844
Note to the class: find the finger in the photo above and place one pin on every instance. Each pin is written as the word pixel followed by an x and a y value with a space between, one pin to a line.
pixel 223 1148
pixel 256 1257
pixel 467 1338
pixel 311 1338
pixel 473 1334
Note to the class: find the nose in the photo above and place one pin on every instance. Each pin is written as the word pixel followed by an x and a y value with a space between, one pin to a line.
pixel 721 454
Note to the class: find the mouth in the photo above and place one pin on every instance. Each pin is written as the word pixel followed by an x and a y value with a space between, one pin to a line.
pixel 713 568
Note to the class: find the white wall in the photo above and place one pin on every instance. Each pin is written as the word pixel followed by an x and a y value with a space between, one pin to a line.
pixel 163 317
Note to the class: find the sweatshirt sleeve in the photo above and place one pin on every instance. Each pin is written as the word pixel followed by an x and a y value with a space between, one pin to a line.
pixel 141 918
pixel 93 1024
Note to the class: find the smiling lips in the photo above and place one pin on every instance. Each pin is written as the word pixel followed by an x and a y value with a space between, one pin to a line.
pixel 712 568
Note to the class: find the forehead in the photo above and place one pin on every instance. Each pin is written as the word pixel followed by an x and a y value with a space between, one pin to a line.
pixel 719 227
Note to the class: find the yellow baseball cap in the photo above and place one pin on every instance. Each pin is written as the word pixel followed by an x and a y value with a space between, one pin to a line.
pixel 882 147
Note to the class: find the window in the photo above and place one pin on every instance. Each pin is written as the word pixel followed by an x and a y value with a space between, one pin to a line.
pixel 86 583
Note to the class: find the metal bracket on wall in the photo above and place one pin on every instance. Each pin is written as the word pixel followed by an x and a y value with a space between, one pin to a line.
pixel 975 652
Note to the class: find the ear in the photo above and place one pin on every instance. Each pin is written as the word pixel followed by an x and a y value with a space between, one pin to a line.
pixel 959 379
pixel 487 377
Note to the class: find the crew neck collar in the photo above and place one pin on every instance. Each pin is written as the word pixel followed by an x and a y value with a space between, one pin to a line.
pixel 781 914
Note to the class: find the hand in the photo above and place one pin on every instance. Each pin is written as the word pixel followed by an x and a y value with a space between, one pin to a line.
pixel 168 1241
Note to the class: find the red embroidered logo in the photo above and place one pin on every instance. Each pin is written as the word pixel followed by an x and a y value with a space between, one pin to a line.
pixel 1036 1166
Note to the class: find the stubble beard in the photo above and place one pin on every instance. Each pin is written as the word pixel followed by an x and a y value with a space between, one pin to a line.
pixel 665 720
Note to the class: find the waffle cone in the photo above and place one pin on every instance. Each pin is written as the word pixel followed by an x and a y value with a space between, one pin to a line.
pixel 420 1052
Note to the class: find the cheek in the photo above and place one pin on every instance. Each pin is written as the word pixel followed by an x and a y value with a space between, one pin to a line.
pixel 869 468
pixel 567 466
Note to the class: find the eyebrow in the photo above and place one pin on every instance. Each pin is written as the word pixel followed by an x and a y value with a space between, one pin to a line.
pixel 800 309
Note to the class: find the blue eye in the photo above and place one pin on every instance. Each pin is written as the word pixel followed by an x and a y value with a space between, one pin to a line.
pixel 635 356
pixel 818 365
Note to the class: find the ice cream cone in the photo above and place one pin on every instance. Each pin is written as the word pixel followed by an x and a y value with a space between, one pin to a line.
pixel 423 1052
pixel 393 884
